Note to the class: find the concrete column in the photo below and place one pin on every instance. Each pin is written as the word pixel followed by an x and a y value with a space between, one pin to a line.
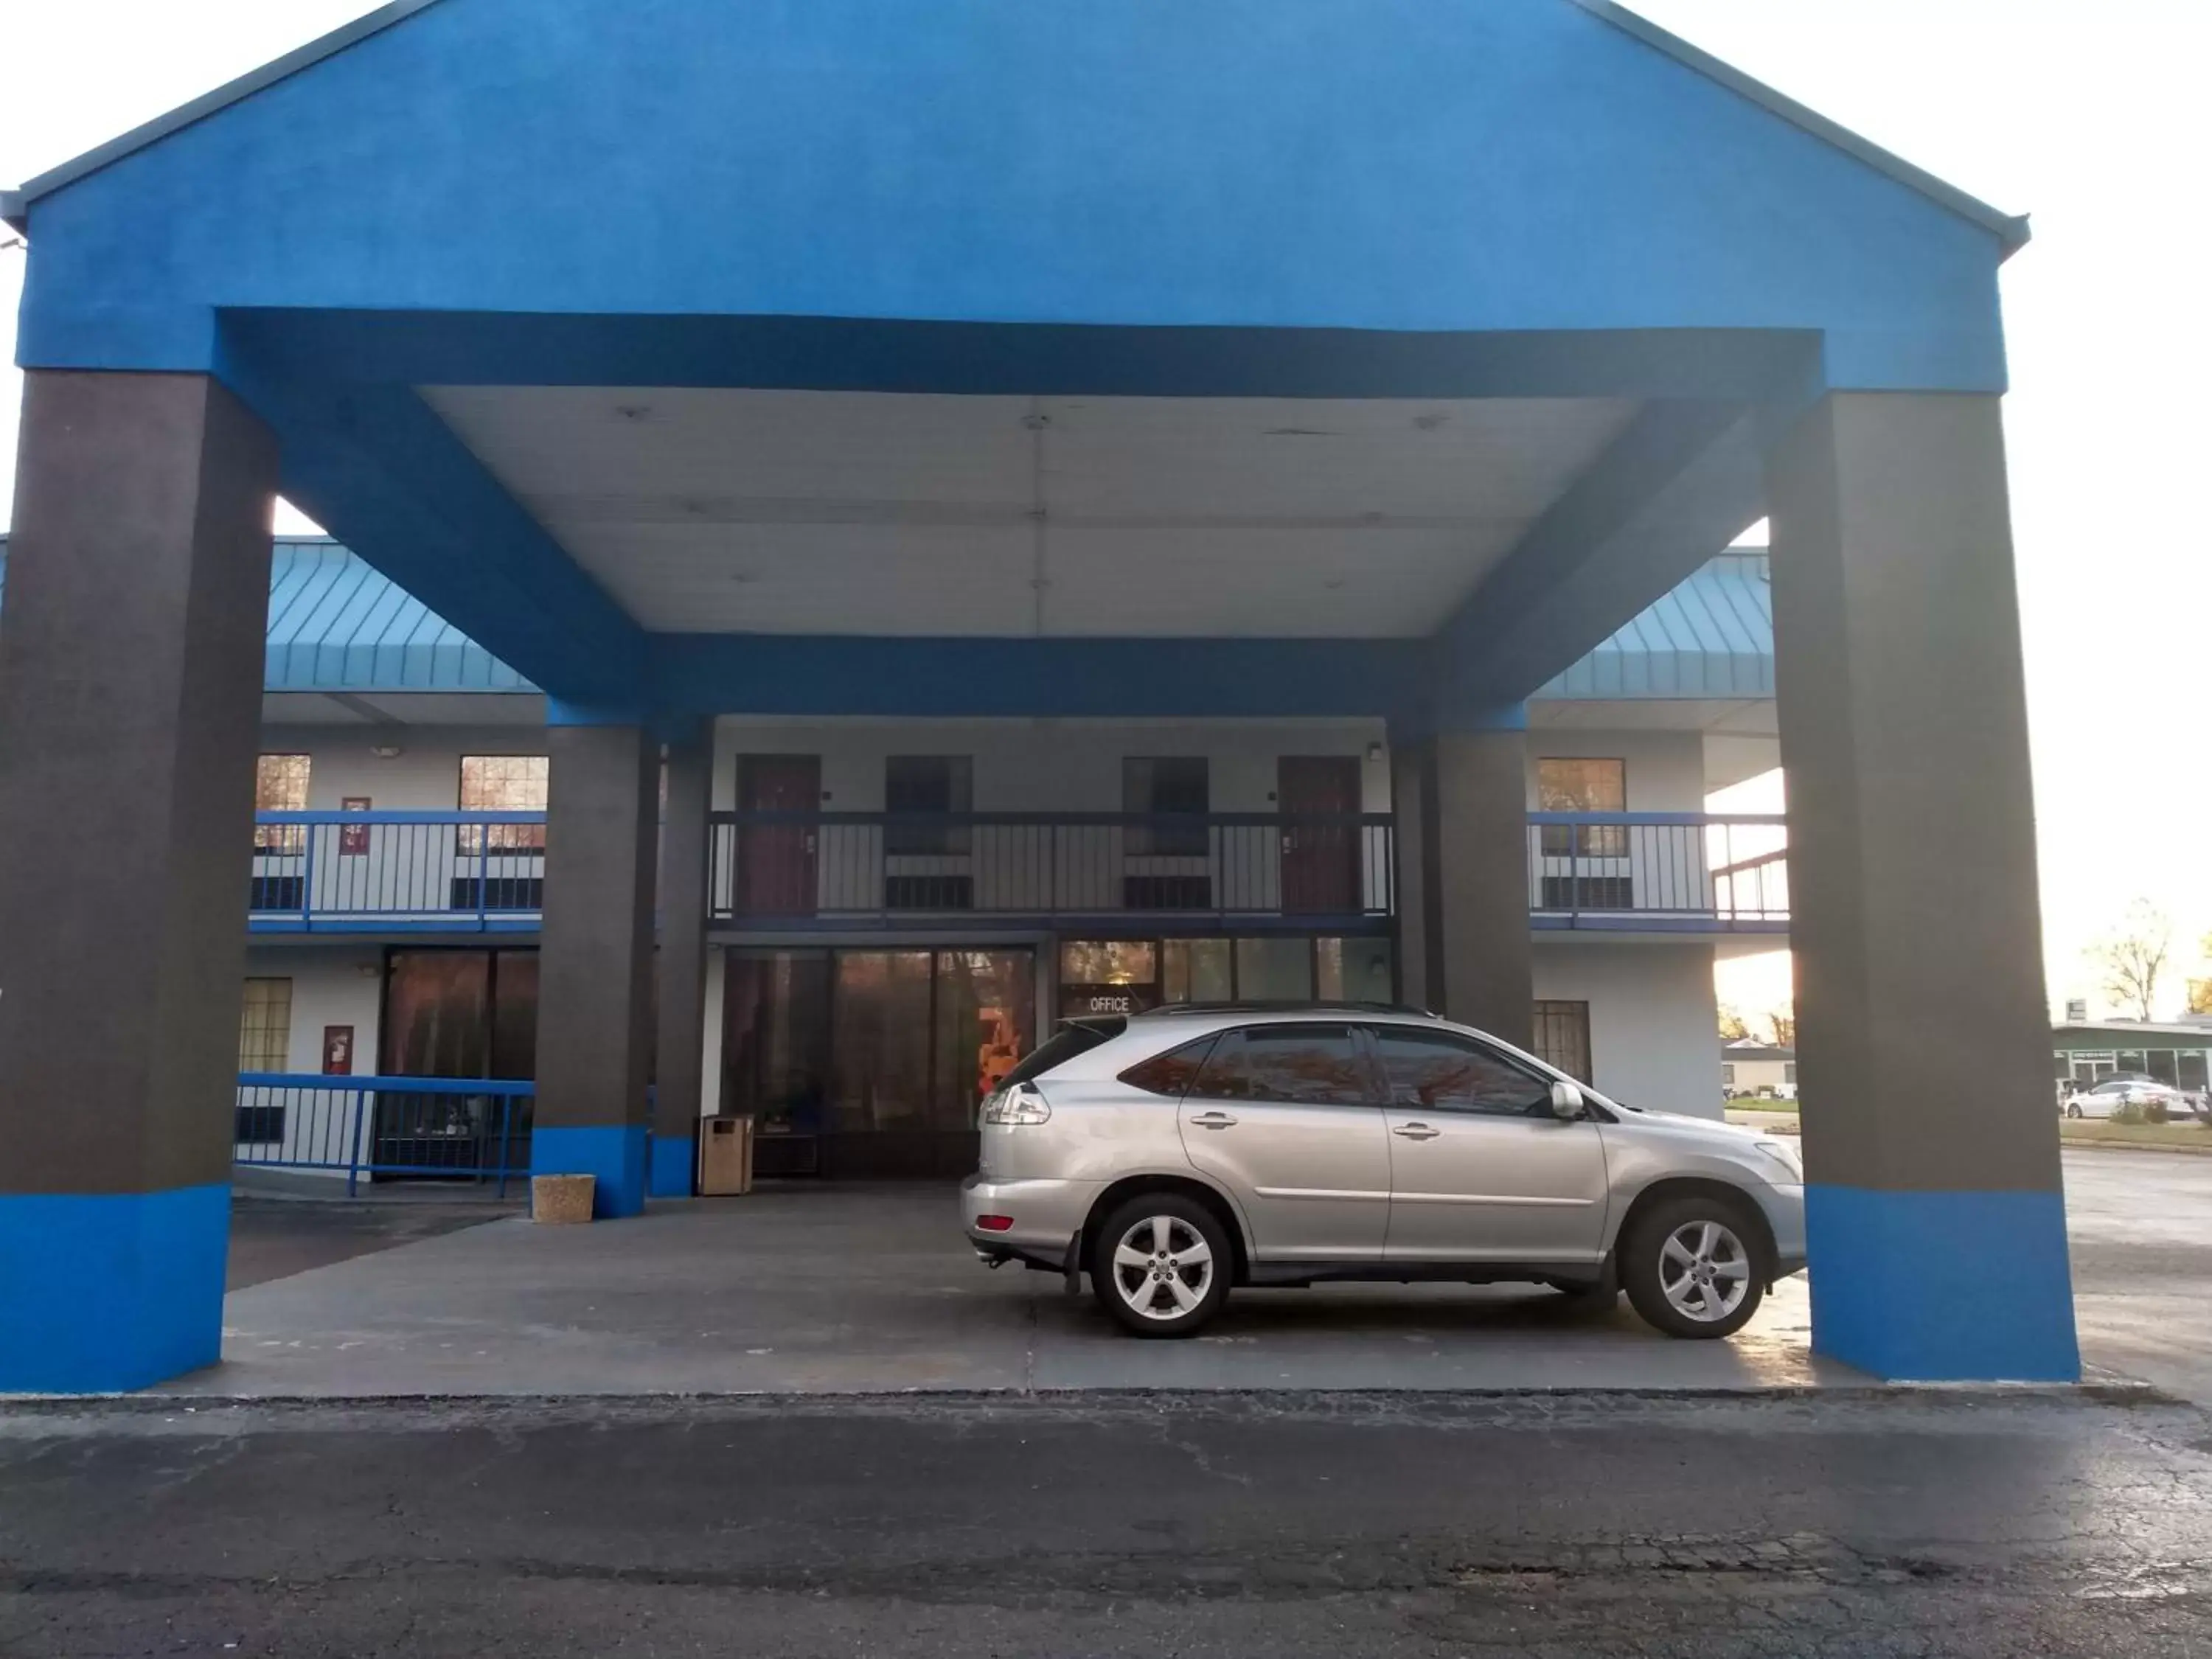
pixel 595 992
pixel 1461 799
pixel 130 669
pixel 682 1011
pixel 1935 1217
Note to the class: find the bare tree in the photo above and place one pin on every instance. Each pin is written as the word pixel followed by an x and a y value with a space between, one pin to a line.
pixel 2133 956
pixel 1782 1027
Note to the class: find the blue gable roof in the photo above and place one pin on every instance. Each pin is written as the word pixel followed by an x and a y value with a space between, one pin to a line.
pixel 1711 637
pixel 335 624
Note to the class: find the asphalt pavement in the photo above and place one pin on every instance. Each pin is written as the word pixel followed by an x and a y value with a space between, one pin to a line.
pixel 1282 1525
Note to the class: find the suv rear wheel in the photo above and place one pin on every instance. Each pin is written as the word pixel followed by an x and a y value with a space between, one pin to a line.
pixel 1161 1265
pixel 1692 1266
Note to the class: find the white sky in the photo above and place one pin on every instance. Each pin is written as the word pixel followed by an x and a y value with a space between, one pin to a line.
pixel 2094 119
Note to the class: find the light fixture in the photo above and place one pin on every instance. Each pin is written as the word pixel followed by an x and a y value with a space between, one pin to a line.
pixel 1375 749
pixel 387 750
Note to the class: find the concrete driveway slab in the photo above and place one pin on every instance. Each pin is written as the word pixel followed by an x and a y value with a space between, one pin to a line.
pixel 874 1291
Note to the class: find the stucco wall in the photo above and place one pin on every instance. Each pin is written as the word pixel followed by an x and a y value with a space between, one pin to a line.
pixel 1653 1035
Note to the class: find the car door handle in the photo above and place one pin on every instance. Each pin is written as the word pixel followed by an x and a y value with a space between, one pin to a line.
pixel 1415 1131
pixel 1214 1120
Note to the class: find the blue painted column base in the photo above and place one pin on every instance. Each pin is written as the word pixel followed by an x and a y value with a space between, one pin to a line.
pixel 1942 1287
pixel 673 1160
pixel 103 1294
pixel 613 1155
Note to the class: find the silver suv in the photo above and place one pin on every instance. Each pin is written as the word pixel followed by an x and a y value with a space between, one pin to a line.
pixel 1174 1154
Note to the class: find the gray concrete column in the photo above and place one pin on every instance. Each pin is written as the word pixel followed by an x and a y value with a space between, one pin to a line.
pixel 131 668
pixel 1936 1221
pixel 1461 799
pixel 595 991
pixel 1412 765
pixel 681 1016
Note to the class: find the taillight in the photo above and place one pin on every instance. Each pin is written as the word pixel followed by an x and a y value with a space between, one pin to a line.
pixel 1020 1104
pixel 994 1223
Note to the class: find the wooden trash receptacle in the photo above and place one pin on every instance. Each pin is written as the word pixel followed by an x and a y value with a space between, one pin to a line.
pixel 562 1201
pixel 725 1157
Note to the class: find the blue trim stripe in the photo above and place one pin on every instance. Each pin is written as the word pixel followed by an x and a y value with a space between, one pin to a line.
pixel 1943 1286
pixel 613 1154
pixel 103 1294
pixel 674 1158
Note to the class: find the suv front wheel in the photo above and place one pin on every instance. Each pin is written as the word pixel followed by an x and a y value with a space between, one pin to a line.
pixel 1692 1267
pixel 1161 1265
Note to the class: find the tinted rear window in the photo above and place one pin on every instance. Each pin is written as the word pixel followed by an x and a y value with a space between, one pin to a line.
pixel 1075 1037
pixel 1171 1073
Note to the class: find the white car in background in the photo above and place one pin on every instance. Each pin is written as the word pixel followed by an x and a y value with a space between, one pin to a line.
pixel 2101 1100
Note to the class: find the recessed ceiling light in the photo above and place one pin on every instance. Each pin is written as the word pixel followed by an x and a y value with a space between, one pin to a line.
pixel 742 576
pixel 633 411
pixel 1429 422
pixel 1333 583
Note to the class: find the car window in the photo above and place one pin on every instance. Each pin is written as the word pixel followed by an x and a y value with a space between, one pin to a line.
pixel 1296 1064
pixel 1173 1073
pixel 1437 1072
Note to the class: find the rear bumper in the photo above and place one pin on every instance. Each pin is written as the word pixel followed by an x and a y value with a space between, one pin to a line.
pixel 1046 1216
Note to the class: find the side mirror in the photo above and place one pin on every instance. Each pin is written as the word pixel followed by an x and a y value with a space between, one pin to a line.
pixel 1566 1102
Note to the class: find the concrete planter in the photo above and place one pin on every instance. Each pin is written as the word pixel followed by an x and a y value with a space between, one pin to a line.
pixel 560 1200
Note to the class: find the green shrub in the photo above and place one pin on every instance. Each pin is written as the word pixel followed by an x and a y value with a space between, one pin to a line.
pixel 2129 1111
pixel 2155 1112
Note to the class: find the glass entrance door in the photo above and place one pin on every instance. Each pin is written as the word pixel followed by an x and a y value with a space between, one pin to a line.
pixel 862 1064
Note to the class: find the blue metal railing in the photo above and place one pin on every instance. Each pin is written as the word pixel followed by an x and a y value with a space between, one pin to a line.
pixel 1659 871
pixel 475 873
pixel 460 1128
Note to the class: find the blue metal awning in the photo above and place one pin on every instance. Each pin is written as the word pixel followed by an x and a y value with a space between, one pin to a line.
pixel 1713 637
pixel 335 624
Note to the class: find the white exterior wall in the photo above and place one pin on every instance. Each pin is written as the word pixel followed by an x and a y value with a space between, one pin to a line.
pixel 1655 1037
pixel 425 774
pixel 1057 766
pixel 1051 765
pixel 331 985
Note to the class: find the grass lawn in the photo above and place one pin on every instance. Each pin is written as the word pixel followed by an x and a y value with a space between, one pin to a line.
pixel 2193 1137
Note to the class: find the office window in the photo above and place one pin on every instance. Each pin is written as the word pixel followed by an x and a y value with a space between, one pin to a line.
pixel 1562 1037
pixel 265 1026
pixel 1433 1071
pixel 932 784
pixel 503 783
pixel 1580 785
pixel 1166 786
pixel 280 784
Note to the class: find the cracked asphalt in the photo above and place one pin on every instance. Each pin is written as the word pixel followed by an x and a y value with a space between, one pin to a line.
pixel 1839 1522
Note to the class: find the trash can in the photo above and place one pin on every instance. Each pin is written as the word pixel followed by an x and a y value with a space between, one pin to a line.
pixel 562 1201
pixel 725 1157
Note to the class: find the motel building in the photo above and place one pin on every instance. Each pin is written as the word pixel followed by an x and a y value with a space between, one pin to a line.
pixel 863 532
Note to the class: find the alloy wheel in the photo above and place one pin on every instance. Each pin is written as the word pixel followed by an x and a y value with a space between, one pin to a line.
pixel 1162 1267
pixel 1704 1271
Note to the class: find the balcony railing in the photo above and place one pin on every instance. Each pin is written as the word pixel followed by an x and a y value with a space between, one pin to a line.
pixel 448 1128
pixel 1659 871
pixel 778 870
pixel 379 871
pixel 484 871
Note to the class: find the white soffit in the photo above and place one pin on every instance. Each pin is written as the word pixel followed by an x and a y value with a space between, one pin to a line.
pixel 727 511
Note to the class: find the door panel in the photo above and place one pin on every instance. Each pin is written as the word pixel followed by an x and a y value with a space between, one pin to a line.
pixel 1479 1168
pixel 1279 1116
pixel 1321 861
pixel 775 861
